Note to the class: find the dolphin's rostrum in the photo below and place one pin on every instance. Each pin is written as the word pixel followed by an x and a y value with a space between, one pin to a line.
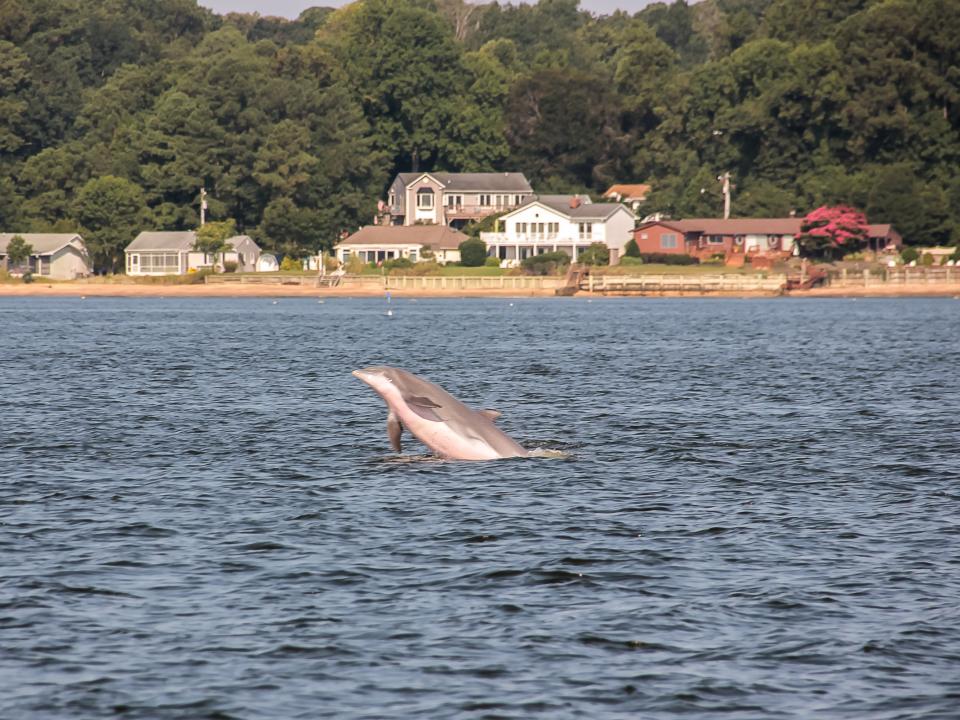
pixel 436 418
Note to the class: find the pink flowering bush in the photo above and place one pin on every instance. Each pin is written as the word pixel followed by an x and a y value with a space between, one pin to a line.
pixel 833 230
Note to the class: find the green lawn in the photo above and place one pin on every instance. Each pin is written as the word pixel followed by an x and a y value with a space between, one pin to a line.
pixel 661 269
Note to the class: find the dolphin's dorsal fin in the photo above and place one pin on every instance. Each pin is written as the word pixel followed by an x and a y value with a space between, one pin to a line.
pixel 394 430
pixel 490 414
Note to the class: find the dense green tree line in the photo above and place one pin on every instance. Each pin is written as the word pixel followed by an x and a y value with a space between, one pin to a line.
pixel 114 114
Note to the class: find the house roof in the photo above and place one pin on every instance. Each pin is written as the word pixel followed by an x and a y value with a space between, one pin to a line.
pixel 752 226
pixel 43 243
pixel 173 241
pixel 239 240
pixel 881 230
pixel 474 182
pixel 628 192
pixel 586 210
pixel 439 237
pixel 739 226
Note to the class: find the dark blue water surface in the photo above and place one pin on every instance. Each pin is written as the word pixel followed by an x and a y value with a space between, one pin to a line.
pixel 759 517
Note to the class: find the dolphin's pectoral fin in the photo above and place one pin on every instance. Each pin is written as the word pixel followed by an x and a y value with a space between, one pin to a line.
pixel 424 407
pixel 427 413
pixel 490 414
pixel 394 430
pixel 420 400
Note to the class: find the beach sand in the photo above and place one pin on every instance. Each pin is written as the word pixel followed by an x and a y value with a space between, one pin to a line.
pixel 94 289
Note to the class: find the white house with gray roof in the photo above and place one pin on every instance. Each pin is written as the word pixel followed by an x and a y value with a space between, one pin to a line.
pixel 59 256
pixel 565 223
pixel 172 253
pixel 442 198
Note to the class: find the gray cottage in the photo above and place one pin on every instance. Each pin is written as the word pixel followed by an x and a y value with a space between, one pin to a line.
pixel 59 256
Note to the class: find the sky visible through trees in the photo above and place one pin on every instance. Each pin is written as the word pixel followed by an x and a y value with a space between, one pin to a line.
pixel 114 114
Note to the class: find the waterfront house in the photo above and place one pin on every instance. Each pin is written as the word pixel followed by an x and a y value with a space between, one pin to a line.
pixel 172 253
pixel 706 238
pixel 738 238
pixel 565 223
pixel 441 198
pixel 376 243
pixel 632 195
pixel 59 256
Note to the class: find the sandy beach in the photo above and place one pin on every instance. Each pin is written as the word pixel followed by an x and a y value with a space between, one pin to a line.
pixel 94 289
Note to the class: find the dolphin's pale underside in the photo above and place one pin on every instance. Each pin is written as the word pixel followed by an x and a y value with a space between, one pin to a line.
pixel 440 421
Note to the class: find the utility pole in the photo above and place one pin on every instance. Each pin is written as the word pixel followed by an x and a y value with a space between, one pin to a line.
pixel 203 206
pixel 725 179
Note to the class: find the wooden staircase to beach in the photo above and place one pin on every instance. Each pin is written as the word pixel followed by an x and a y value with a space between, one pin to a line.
pixel 571 283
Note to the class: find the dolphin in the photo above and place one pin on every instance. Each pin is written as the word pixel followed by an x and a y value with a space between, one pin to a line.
pixel 437 418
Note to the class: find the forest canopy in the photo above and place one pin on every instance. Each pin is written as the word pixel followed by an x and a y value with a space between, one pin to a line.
pixel 114 114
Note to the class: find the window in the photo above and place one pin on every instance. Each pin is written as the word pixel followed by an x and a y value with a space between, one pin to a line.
pixel 485 201
pixel 586 230
pixel 392 199
pixel 553 229
pixel 44 264
pixel 715 239
pixel 159 262
pixel 668 240
pixel 454 201
pixel 425 199
pixel 521 228
pixel 413 256
pixel 643 236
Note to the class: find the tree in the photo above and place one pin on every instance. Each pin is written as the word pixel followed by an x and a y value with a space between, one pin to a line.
pixel 212 239
pixel 597 254
pixel 110 211
pixel 473 252
pixel 631 249
pixel 832 230
pixel 18 250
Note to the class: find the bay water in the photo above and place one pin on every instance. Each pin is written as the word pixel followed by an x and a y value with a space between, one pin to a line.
pixel 753 512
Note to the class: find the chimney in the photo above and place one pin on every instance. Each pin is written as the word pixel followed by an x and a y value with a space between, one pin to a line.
pixel 574 202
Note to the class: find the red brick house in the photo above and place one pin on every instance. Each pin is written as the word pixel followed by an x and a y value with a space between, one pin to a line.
pixel 738 238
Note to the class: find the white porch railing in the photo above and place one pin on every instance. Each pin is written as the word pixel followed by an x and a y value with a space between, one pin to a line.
pixel 529 239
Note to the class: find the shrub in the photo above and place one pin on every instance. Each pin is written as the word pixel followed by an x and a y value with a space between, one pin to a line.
pixel 630 249
pixel 354 265
pixel 669 258
pixel 631 260
pixel 854 257
pixel 195 278
pixel 909 254
pixel 473 252
pixel 27 277
pixel 400 263
pixel 545 264
pixel 926 260
pixel 424 268
pixel 291 264
pixel 230 266
pixel 715 259
pixel 596 254
pixel 492 262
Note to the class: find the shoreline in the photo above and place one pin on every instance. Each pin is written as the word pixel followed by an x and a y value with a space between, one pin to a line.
pixel 92 289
